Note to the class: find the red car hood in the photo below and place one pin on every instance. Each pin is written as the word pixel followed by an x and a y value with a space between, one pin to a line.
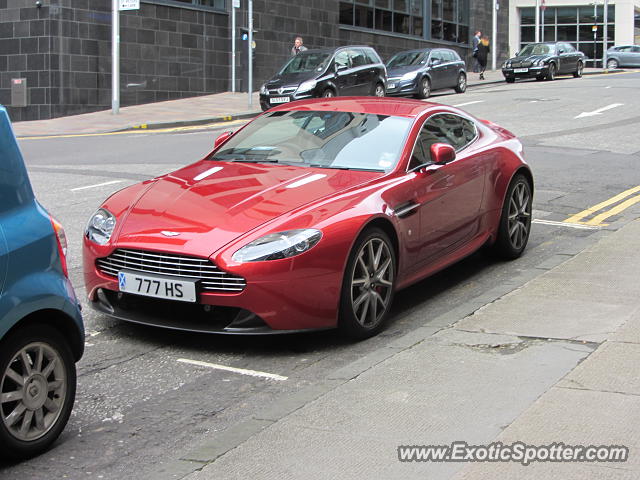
pixel 203 207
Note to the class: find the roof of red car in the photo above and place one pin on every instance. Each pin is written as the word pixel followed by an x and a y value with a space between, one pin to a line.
pixel 402 107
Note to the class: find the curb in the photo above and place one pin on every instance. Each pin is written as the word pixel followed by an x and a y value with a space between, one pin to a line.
pixel 188 123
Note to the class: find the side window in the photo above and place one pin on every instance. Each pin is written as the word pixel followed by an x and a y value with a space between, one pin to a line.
pixel 635 49
pixel 372 56
pixel 436 57
pixel 357 58
pixel 568 48
pixel 452 129
pixel 342 59
pixel 448 56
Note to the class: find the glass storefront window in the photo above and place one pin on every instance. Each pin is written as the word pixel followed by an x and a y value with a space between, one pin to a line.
pixel 567 15
pixel 527 16
pixel 566 33
pixel 527 34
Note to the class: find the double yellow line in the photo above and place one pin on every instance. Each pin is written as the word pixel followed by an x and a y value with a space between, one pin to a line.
pixel 619 203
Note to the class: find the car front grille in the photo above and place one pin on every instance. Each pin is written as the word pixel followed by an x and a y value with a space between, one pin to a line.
pixel 285 91
pixel 211 278
pixel 521 64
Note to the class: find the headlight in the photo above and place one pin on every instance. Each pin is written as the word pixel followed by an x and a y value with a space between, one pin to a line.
pixel 100 227
pixel 504 65
pixel 538 62
pixel 263 90
pixel 306 86
pixel 275 246
pixel 409 76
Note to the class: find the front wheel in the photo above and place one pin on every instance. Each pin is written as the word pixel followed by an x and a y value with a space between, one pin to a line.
pixel 328 93
pixel 461 85
pixel 515 220
pixel 379 90
pixel 578 72
pixel 37 390
pixel 612 63
pixel 368 285
pixel 552 72
pixel 424 90
pixel 509 79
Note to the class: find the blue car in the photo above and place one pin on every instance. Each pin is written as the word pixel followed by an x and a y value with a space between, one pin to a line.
pixel 41 330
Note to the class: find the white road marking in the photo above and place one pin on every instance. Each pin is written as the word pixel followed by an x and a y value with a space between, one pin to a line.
pixel 241 371
pixel 96 185
pixel 599 111
pixel 608 86
pixel 565 224
pixel 467 103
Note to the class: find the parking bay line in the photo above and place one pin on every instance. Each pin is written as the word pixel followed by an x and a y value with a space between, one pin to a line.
pixel 578 217
pixel 241 371
pixel 96 185
pixel 468 103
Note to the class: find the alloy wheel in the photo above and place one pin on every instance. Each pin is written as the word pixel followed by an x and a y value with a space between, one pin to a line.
pixel 519 216
pixel 33 391
pixel 612 63
pixel 462 83
pixel 372 282
pixel 328 93
pixel 379 92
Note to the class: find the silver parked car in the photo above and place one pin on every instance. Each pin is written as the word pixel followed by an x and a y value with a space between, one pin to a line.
pixel 623 56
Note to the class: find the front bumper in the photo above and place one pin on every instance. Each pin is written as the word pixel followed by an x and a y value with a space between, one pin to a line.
pixel 397 87
pixel 281 296
pixel 268 101
pixel 528 72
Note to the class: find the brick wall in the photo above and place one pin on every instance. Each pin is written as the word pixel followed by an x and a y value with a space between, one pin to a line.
pixel 63 49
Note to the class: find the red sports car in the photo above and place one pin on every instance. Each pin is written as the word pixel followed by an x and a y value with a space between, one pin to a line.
pixel 309 217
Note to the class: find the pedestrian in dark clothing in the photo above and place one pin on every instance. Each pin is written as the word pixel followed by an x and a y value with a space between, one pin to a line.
pixel 297 47
pixel 483 54
pixel 475 43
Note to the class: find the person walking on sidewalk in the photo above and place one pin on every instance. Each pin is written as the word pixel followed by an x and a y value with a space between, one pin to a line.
pixel 476 42
pixel 297 47
pixel 482 55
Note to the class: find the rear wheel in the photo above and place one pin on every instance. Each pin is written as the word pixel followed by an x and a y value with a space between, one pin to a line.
pixel 612 63
pixel 328 93
pixel 379 90
pixel 579 68
pixel 37 390
pixel 515 221
pixel 461 85
pixel 552 72
pixel 424 90
pixel 368 285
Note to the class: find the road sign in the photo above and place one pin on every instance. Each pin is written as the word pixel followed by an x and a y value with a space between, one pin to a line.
pixel 236 3
pixel 594 28
pixel 129 5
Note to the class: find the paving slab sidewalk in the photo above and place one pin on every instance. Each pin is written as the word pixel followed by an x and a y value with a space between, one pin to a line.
pixel 217 107
pixel 529 367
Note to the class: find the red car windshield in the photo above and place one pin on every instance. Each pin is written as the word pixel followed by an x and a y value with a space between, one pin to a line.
pixel 346 140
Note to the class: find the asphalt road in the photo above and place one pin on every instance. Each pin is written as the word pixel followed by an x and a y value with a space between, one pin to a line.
pixel 138 406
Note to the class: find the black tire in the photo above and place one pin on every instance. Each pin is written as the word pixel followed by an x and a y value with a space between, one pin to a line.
pixel 515 220
pixel 359 318
pixel 264 107
pixel 378 91
pixel 461 85
pixel 539 79
pixel 510 79
pixel 552 72
pixel 579 68
pixel 328 93
pixel 612 63
pixel 38 394
pixel 424 89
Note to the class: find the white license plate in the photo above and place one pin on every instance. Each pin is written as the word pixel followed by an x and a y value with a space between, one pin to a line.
pixel 520 70
pixel 279 100
pixel 157 286
pixel 391 85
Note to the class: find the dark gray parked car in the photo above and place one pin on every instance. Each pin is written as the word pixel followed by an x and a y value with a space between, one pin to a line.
pixel 544 61
pixel 623 56
pixel 343 71
pixel 419 72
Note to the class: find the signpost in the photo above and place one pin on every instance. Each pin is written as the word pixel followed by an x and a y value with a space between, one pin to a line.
pixel 116 6
pixel 236 4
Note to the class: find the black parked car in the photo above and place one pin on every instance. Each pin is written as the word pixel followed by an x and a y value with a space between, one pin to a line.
pixel 344 71
pixel 419 72
pixel 544 60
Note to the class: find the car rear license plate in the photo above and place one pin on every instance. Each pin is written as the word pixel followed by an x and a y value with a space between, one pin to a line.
pixel 391 85
pixel 279 100
pixel 520 70
pixel 157 286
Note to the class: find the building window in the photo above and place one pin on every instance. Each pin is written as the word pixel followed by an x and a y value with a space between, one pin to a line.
pixel 570 24
pixel 450 17
pixel 198 4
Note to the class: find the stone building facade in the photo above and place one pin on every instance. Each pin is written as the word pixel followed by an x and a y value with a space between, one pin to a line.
pixel 61 50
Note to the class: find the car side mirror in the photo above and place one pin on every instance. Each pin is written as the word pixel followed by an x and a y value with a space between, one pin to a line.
pixel 435 61
pixel 442 153
pixel 339 68
pixel 221 139
pixel 561 52
pixel 516 54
